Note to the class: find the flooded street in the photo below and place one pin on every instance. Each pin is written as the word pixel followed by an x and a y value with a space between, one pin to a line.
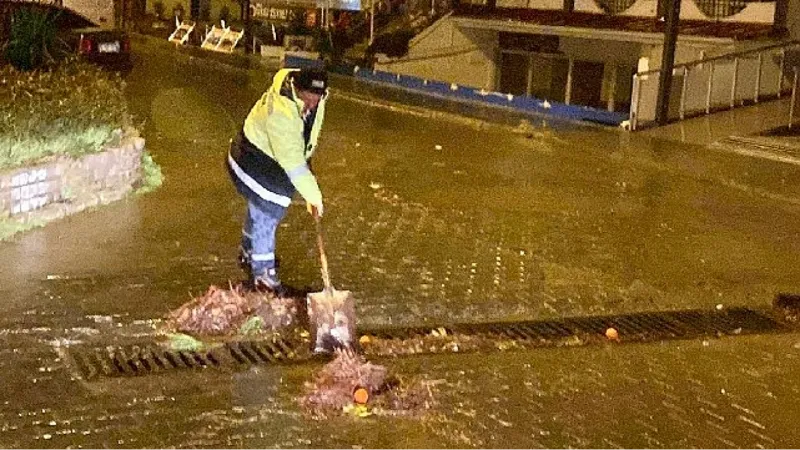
pixel 430 219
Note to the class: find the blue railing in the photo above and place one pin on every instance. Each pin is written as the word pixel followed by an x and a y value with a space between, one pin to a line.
pixel 472 94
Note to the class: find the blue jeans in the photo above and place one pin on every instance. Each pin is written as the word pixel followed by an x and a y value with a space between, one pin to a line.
pixel 258 236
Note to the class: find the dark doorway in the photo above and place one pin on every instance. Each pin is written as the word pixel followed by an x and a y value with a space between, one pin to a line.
pixel 514 73
pixel 548 77
pixel 587 84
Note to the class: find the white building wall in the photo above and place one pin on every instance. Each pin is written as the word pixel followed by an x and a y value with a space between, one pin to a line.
pixel 513 4
pixel 754 12
pixel 100 12
pixel 588 6
pixel 447 53
pixel 600 51
pixel 642 8
pixel 793 21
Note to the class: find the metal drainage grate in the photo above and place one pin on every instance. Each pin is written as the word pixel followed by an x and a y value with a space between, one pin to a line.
pixel 638 327
pixel 136 360
pixel 642 327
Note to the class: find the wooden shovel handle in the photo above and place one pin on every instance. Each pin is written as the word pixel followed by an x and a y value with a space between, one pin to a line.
pixel 326 279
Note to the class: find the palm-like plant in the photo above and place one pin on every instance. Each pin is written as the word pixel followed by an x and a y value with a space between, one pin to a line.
pixel 32 41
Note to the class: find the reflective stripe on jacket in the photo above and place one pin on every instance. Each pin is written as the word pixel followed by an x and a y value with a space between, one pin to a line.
pixel 275 127
pixel 258 177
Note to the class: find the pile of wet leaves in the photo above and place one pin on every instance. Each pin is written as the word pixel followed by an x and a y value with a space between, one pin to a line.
pixel 350 384
pixel 233 311
pixel 789 306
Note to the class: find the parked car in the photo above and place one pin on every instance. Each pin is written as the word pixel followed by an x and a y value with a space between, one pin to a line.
pixel 74 33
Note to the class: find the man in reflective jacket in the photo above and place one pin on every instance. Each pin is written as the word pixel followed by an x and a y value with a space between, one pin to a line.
pixel 268 162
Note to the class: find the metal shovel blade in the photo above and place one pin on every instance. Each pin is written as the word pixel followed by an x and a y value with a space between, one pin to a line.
pixel 332 320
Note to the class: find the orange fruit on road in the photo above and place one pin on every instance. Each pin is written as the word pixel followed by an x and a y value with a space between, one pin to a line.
pixel 360 396
pixel 612 334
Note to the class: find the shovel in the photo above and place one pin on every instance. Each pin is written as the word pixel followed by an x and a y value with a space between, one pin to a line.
pixel 331 313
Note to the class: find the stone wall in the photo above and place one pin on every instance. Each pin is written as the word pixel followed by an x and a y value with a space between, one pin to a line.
pixel 63 185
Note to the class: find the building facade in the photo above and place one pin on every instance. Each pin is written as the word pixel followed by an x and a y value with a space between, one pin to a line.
pixel 584 56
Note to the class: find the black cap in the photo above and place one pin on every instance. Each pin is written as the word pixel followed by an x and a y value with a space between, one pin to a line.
pixel 312 80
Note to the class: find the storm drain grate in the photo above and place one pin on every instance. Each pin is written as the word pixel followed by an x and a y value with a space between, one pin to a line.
pixel 642 327
pixel 134 360
pixel 639 327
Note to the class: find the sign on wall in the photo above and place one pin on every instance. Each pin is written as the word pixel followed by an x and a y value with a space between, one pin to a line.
pixel 30 190
pixel 346 5
pixel 286 11
pixel 263 11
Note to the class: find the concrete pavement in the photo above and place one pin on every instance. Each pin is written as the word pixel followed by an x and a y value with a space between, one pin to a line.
pixel 431 218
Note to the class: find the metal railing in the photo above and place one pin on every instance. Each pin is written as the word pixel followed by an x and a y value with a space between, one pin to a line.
pixel 793 102
pixel 717 9
pixel 722 82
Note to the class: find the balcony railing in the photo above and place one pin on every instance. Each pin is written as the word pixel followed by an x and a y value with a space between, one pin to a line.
pixel 723 82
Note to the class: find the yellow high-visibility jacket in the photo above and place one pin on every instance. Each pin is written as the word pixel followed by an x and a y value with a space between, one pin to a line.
pixel 270 157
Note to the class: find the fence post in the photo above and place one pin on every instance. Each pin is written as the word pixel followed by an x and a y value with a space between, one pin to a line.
pixel 371 21
pixel 613 88
pixel 733 82
pixel 682 112
pixel 634 115
pixel 710 86
pixel 794 97
pixel 568 93
pixel 758 76
pixel 780 72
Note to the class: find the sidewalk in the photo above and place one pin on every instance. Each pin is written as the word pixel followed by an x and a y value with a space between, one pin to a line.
pixel 745 121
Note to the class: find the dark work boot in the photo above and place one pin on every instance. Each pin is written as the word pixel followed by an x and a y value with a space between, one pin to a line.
pixel 244 260
pixel 268 281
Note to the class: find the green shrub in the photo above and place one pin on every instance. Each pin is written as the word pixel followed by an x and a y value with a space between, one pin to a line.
pixel 10 227
pixel 72 109
pixel 32 41
pixel 152 177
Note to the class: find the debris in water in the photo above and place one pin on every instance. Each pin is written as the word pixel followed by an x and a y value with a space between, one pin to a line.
pixel 352 385
pixel 58 277
pixel 231 311
pixel 612 334
pixel 361 395
pixel 252 325
pixel 184 343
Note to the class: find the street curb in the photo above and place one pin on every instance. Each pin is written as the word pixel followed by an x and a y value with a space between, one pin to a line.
pixel 45 191
pixel 760 147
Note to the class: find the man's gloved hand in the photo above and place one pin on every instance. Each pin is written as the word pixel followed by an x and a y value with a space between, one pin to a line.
pixel 312 209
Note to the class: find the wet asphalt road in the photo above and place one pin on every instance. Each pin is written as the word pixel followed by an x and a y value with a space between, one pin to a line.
pixel 429 220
